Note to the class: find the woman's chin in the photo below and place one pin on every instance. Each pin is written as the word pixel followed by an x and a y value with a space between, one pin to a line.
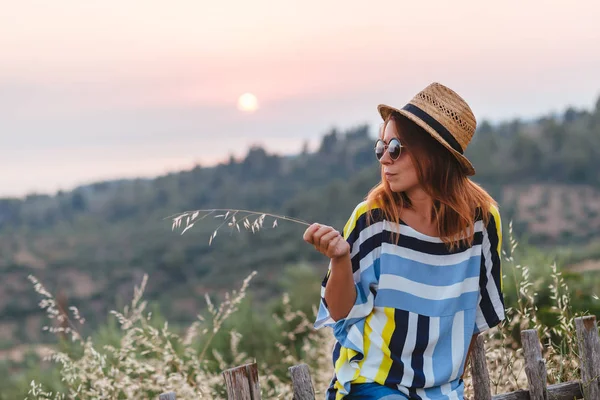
pixel 396 188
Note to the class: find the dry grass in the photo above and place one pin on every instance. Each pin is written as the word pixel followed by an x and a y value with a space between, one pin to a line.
pixel 149 361
pixel 233 219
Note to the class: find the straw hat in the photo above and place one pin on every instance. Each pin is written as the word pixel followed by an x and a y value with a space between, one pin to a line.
pixel 444 115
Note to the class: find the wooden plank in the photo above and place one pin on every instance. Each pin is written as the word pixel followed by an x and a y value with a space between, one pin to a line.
pixel 167 396
pixel 589 355
pixel 565 391
pixel 301 382
pixel 237 383
pixel 559 391
pixel 252 373
pixel 535 365
pixel 479 371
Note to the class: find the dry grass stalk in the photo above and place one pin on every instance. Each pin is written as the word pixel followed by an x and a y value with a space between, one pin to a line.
pixel 249 220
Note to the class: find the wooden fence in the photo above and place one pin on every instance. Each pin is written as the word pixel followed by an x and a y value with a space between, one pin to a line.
pixel 242 382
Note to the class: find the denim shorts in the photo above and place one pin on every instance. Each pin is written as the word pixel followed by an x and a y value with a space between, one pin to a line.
pixel 374 391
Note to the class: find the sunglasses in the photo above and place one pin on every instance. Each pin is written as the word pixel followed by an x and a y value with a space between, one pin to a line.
pixel 394 148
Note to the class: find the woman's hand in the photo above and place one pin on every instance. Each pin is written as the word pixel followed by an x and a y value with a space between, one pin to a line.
pixel 327 241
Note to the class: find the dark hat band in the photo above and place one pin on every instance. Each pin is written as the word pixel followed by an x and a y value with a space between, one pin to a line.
pixel 433 123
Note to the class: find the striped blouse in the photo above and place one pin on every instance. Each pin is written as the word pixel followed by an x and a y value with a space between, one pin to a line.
pixel 416 309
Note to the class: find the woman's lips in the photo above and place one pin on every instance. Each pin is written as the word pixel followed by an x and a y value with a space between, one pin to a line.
pixel 389 175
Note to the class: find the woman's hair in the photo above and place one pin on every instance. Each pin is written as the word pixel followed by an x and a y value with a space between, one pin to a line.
pixel 457 201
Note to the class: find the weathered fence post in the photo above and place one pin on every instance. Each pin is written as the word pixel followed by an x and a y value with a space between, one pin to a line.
pixel 242 382
pixel 479 371
pixel 535 365
pixel 589 355
pixel 301 382
pixel 167 396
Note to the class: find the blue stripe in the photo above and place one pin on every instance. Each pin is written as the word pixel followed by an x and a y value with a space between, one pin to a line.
pixel 442 354
pixel 370 275
pixel 435 393
pixel 418 305
pixel 430 274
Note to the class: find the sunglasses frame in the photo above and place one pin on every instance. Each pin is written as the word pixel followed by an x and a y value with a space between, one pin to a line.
pixel 386 147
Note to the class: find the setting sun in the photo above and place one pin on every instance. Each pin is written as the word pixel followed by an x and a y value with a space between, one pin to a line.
pixel 248 102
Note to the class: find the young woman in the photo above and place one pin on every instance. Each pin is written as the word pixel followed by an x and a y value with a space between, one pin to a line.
pixel 415 276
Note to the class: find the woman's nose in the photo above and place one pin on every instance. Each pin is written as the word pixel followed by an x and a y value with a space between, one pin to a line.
pixel 386 159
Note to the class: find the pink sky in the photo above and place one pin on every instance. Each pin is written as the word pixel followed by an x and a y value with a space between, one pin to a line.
pixel 108 89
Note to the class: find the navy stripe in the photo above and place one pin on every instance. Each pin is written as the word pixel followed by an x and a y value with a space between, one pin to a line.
pixel 413 394
pixel 487 309
pixel 409 242
pixel 366 247
pixel 493 236
pixel 422 246
pixel 396 346
pixel 331 390
pixel 420 347
pixel 336 352
pixel 361 223
pixel 437 126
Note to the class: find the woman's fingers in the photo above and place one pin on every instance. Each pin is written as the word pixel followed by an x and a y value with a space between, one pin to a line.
pixel 310 231
pixel 326 239
pixel 318 235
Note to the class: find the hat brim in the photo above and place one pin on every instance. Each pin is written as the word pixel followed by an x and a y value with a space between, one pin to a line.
pixel 385 111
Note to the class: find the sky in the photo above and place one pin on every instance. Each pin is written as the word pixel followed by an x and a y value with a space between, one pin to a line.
pixel 106 89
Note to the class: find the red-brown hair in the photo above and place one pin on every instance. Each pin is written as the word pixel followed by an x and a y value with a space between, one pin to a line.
pixel 456 199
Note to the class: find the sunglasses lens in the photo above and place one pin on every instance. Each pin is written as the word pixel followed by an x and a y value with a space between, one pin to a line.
pixel 379 149
pixel 394 149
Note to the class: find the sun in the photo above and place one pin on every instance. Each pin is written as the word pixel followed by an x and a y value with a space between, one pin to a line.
pixel 247 103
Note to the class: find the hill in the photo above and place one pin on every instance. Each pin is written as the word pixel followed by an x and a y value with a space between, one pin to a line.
pixel 91 243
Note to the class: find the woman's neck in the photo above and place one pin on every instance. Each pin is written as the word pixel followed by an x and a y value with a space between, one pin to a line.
pixel 421 204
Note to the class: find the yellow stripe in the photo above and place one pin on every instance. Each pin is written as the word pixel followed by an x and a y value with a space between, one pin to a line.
pixel 496 213
pixel 388 329
pixel 342 359
pixel 351 224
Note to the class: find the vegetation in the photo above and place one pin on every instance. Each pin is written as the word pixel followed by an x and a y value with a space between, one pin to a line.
pixel 91 244
pixel 146 357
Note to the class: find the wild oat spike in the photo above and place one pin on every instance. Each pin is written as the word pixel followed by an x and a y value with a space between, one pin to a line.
pixel 230 217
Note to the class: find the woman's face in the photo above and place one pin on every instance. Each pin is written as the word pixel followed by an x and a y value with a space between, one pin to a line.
pixel 401 173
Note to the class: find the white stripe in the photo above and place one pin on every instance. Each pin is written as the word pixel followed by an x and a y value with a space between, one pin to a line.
pixel 365 262
pixel 404 230
pixel 403 390
pixel 434 333
pixel 480 321
pixel 345 374
pixel 365 235
pixel 370 366
pixel 458 343
pixel 362 310
pixel 421 393
pixel 409 347
pixel 431 259
pixel 429 292
pixel 447 390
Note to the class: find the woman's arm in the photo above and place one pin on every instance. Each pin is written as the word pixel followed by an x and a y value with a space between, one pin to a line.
pixel 340 292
